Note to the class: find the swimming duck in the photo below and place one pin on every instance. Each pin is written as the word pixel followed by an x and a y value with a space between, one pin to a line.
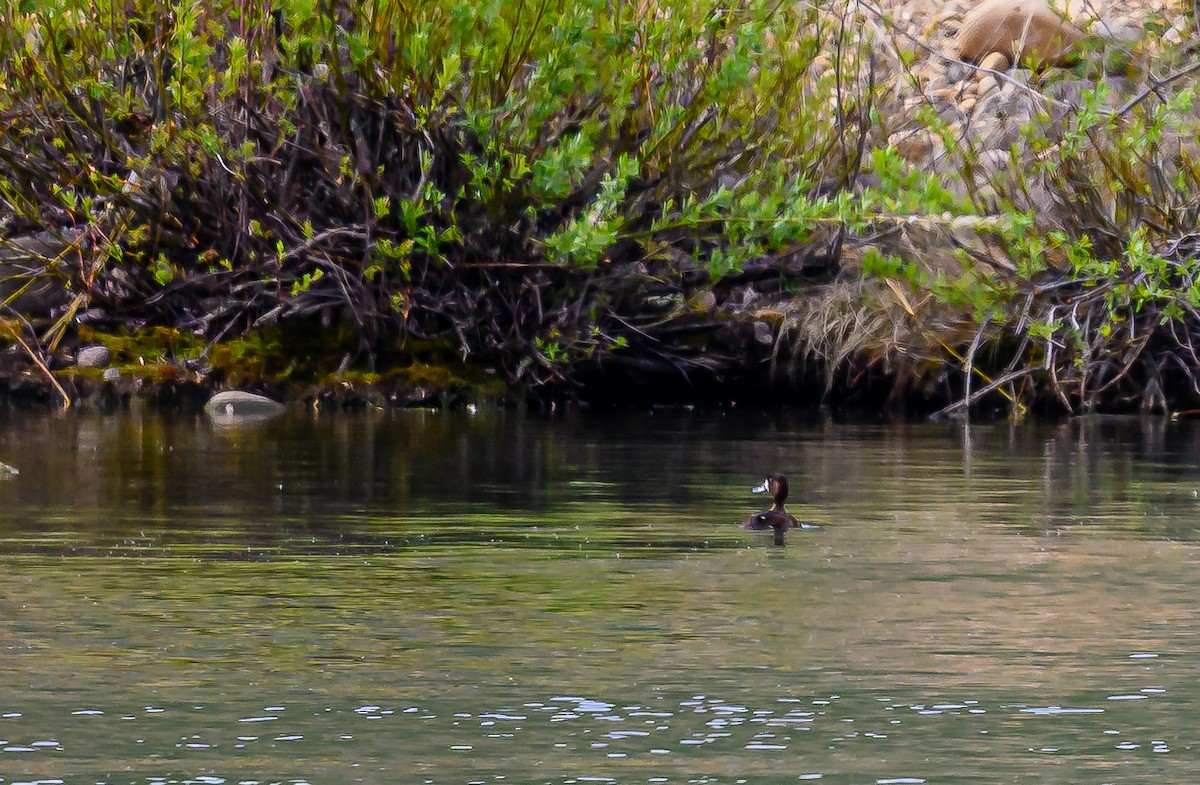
pixel 775 518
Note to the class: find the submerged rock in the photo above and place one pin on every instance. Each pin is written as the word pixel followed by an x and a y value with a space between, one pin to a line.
pixel 232 406
pixel 7 472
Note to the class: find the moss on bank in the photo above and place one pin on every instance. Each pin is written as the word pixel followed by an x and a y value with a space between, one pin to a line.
pixel 292 362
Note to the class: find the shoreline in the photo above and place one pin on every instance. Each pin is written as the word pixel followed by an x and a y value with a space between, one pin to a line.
pixel 180 387
pixel 811 205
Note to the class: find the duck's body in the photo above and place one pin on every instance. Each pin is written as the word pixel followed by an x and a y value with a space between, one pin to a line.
pixel 776 518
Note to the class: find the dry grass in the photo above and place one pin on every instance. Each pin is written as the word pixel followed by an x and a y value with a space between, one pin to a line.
pixel 841 325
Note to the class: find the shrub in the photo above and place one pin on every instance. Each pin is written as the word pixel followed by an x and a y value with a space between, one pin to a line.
pixel 518 175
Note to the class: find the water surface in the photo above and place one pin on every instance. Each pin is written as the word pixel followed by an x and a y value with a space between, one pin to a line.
pixel 448 598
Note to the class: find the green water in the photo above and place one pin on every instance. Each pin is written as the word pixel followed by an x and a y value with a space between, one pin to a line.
pixel 496 598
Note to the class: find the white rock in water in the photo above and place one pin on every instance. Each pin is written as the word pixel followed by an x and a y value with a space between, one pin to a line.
pixel 8 472
pixel 238 405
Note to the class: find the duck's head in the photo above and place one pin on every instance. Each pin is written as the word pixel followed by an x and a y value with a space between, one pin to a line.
pixel 776 485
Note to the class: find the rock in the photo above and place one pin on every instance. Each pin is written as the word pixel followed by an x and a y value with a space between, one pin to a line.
pixel 911 145
pixel 996 61
pixel 111 375
pixel 936 82
pixel 957 72
pixel 1014 107
pixel 951 20
pixel 949 13
pixel 1072 92
pixel 1020 76
pixel 993 162
pixel 7 472
pixel 987 84
pixel 1017 29
pixel 1124 33
pixel 704 301
pixel 1175 34
pixel 94 356
pixel 1000 116
pixel 1121 89
pixel 236 406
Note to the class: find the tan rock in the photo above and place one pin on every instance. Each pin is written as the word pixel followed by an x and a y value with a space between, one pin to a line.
pixel 911 145
pixel 1175 34
pixel 937 82
pixel 996 61
pixel 1017 29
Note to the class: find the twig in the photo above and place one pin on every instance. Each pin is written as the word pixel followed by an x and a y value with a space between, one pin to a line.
pixel 1007 378
pixel 1057 385
pixel 41 365
pixel 1154 86
pixel 971 357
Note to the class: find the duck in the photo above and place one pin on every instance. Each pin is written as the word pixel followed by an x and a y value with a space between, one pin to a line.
pixel 777 517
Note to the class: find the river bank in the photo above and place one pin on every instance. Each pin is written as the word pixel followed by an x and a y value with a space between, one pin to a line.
pixel 828 204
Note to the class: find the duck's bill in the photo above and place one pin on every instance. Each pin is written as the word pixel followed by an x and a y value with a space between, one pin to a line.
pixel 762 488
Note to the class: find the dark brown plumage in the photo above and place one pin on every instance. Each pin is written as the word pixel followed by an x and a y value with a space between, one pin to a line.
pixel 776 518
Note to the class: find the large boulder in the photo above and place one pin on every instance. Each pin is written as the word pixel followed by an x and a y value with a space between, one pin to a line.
pixel 1017 29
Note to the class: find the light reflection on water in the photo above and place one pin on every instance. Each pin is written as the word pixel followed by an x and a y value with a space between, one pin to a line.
pixel 502 599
